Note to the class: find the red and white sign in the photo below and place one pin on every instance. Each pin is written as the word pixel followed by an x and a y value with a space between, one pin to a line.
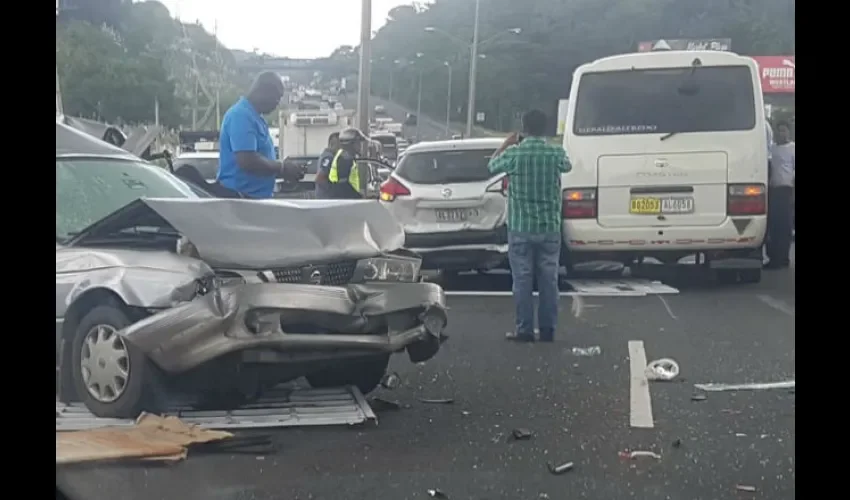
pixel 777 73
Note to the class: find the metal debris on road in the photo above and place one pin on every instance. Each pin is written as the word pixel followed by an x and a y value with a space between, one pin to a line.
pixel 435 493
pixel 631 455
pixel 788 384
pixel 391 381
pixel 748 489
pixel 699 397
pixel 520 434
pixel 664 369
pixel 586 351
pixel 445 401
pixel 279 407
pixel 557 470
pixel 379 404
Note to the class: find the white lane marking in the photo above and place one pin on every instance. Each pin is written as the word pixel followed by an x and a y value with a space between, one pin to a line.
pixel 667 306
pixel 788 384
pixel 484 293
pixel 640 402
pixel 779 305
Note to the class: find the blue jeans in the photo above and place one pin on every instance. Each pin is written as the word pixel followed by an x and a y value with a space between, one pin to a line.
pixel 535 255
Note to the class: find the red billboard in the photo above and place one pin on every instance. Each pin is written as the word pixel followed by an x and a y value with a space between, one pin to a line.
pixel 777 74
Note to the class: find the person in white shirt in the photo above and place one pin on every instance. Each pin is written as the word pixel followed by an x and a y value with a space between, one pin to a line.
pixel 779 196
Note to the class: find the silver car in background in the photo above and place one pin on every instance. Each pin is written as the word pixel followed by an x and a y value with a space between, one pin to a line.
pixel 452 209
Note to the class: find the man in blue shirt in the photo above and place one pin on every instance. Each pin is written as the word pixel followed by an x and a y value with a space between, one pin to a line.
pixel 247 164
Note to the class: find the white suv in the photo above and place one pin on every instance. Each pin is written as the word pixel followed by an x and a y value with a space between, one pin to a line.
pixel 452 208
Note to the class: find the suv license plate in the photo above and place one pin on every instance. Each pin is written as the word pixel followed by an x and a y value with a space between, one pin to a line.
pixel 457 215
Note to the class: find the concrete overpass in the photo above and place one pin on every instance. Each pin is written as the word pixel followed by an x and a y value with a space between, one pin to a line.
pixel 283 64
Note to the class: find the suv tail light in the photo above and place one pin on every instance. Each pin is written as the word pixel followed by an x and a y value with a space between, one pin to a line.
pixel 392 189
pixel 500 186
pixel 579 203
pixel 746 199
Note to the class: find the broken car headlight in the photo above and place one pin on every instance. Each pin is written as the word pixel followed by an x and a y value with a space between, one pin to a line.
pixel 395 269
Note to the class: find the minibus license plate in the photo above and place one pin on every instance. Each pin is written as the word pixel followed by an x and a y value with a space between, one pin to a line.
pixel 653 206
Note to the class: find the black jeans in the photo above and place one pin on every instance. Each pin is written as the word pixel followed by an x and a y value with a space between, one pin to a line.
pixel 779 225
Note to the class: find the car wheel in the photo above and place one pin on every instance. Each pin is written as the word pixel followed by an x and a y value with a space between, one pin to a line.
pixel 365 374
pixel 735 276
pixel 109 374
pixel 750 276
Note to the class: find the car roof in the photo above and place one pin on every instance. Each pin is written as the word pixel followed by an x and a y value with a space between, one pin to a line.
pixel 73 142
pixel 456 144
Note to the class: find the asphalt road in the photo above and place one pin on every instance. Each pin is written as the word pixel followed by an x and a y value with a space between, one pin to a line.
pixel 578 409
pixel 429 129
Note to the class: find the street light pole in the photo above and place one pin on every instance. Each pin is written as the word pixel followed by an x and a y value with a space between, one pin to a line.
pixel 419 108
pixel 364 78
pixel 473 69
pixel 449 102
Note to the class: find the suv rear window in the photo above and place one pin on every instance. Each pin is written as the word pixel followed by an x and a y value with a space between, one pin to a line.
pixel 445 167
pixel 665 100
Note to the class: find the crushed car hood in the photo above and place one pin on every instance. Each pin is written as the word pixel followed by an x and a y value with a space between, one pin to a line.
pixel 263 234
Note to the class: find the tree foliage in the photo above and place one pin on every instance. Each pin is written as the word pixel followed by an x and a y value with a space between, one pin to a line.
pixel 534 68
pixel 116 58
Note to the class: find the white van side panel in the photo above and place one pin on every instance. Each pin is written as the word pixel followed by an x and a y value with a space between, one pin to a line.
pixel 697 165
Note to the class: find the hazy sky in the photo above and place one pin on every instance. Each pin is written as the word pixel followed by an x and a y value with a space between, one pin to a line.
pixel 286 28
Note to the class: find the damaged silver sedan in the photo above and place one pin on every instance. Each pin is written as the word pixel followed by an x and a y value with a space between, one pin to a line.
pixel 220 299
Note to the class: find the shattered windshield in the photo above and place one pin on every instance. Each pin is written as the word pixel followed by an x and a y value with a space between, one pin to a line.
pixel 89 189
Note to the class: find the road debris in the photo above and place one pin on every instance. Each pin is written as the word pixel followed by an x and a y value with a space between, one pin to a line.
pixel 586 351
pixel 239 445
pixel 444 401
pixel 391 381
pixel 436 493
pixel 788 384
pixel 748 489
pixel 664 369
pixel 677 443
pixel 379 404
pixel 152 438
pixel 699 397
pixel 557 470
pixel 631 455
pixel 520 434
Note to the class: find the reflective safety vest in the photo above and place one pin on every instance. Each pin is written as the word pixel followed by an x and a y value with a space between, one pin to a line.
pixel 353 175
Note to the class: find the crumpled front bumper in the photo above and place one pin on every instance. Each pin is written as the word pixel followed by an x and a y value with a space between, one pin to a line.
pixel 215 324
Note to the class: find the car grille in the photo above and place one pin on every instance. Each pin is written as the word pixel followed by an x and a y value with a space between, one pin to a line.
pixel 336 274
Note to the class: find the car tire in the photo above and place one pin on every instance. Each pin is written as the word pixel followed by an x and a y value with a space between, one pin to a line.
pixel 364 373
pixel 134 371
pixel 736 276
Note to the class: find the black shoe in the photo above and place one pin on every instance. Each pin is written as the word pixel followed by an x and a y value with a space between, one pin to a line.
pixel 521 338
pixel 773 266
pixel 547 336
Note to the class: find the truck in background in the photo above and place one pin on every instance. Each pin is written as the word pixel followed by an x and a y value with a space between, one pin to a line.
pixel 302 136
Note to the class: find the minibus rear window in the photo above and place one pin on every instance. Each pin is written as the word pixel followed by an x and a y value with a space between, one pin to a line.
pixel 665 100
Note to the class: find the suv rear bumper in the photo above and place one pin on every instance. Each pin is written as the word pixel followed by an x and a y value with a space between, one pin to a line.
pixel 460 250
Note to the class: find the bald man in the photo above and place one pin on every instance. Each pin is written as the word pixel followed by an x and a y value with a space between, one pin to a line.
pixel 247 164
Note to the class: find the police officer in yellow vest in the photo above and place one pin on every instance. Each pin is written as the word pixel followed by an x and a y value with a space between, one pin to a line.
pixel 344 177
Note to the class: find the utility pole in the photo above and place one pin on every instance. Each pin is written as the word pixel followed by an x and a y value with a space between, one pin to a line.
pixel 364 83
pixel 59 109
pixel 218 79
pixel 449 102
pixel 419 108
pixel 473 70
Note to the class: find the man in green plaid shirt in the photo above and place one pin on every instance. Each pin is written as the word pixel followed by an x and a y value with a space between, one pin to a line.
pixel 534 171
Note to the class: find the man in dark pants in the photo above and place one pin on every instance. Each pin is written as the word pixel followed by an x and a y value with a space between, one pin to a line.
pixel 534 170
pixel 325 159
pixel 779 198
pixel 344 181
pixel 248 165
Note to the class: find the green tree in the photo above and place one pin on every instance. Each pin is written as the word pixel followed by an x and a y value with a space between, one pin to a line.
pixel 535 68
